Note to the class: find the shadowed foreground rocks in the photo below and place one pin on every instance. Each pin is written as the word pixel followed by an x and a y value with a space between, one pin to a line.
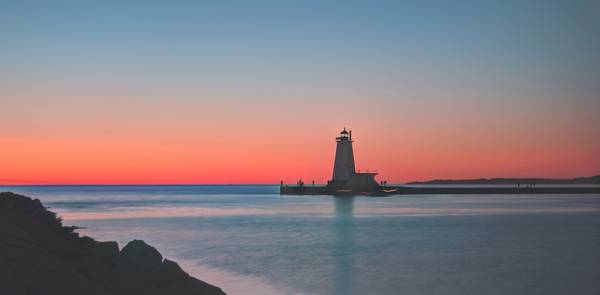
pixel 38 255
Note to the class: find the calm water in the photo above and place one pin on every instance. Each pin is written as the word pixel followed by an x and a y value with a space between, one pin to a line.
pixel 250 240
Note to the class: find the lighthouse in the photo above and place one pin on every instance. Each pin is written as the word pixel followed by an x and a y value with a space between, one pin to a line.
pixel 344 176
pixel 345 180
pixel 343 167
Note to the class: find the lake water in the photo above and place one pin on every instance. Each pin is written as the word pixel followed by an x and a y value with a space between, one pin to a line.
pixel 250 240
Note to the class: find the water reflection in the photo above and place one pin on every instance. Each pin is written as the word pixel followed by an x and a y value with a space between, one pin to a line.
pixel 343 247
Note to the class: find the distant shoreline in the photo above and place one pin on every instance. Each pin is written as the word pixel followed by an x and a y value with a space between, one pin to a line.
pixel 577 180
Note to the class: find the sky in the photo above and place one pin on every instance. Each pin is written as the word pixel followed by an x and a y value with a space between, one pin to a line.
pixel 211 92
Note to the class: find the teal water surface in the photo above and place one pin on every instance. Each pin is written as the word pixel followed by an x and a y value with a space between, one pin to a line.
pixel 250 240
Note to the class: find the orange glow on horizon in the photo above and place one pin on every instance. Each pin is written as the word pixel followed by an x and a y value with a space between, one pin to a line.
pixel 225 161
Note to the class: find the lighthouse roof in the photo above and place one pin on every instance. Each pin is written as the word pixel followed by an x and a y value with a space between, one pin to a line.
pixel 344 131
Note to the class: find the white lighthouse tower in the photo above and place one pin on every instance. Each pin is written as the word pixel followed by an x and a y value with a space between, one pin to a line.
pixel 343 167
pixel 345 177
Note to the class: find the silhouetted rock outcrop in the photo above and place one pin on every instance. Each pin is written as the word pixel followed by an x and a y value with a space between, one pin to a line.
pixel 38 255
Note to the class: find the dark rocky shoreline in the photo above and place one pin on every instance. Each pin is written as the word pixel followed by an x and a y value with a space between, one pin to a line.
pixel 38 255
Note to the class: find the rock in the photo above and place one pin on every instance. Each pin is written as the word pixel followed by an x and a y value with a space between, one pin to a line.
pixel 38 255
pixel 139 256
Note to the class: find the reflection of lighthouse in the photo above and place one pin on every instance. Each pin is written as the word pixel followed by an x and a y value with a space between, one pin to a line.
pixel 344 246
pixel 345 178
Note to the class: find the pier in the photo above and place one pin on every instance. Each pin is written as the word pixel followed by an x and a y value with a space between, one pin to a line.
pixel 346 181
pixel 408 190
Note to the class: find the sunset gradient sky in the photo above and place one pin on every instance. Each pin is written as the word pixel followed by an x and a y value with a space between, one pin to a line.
pixel 123 92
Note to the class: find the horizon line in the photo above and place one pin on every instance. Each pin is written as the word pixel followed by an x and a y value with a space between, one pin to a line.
pixel 248 184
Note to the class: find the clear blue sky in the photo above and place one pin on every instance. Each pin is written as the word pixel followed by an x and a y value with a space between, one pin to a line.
pixel 504 43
